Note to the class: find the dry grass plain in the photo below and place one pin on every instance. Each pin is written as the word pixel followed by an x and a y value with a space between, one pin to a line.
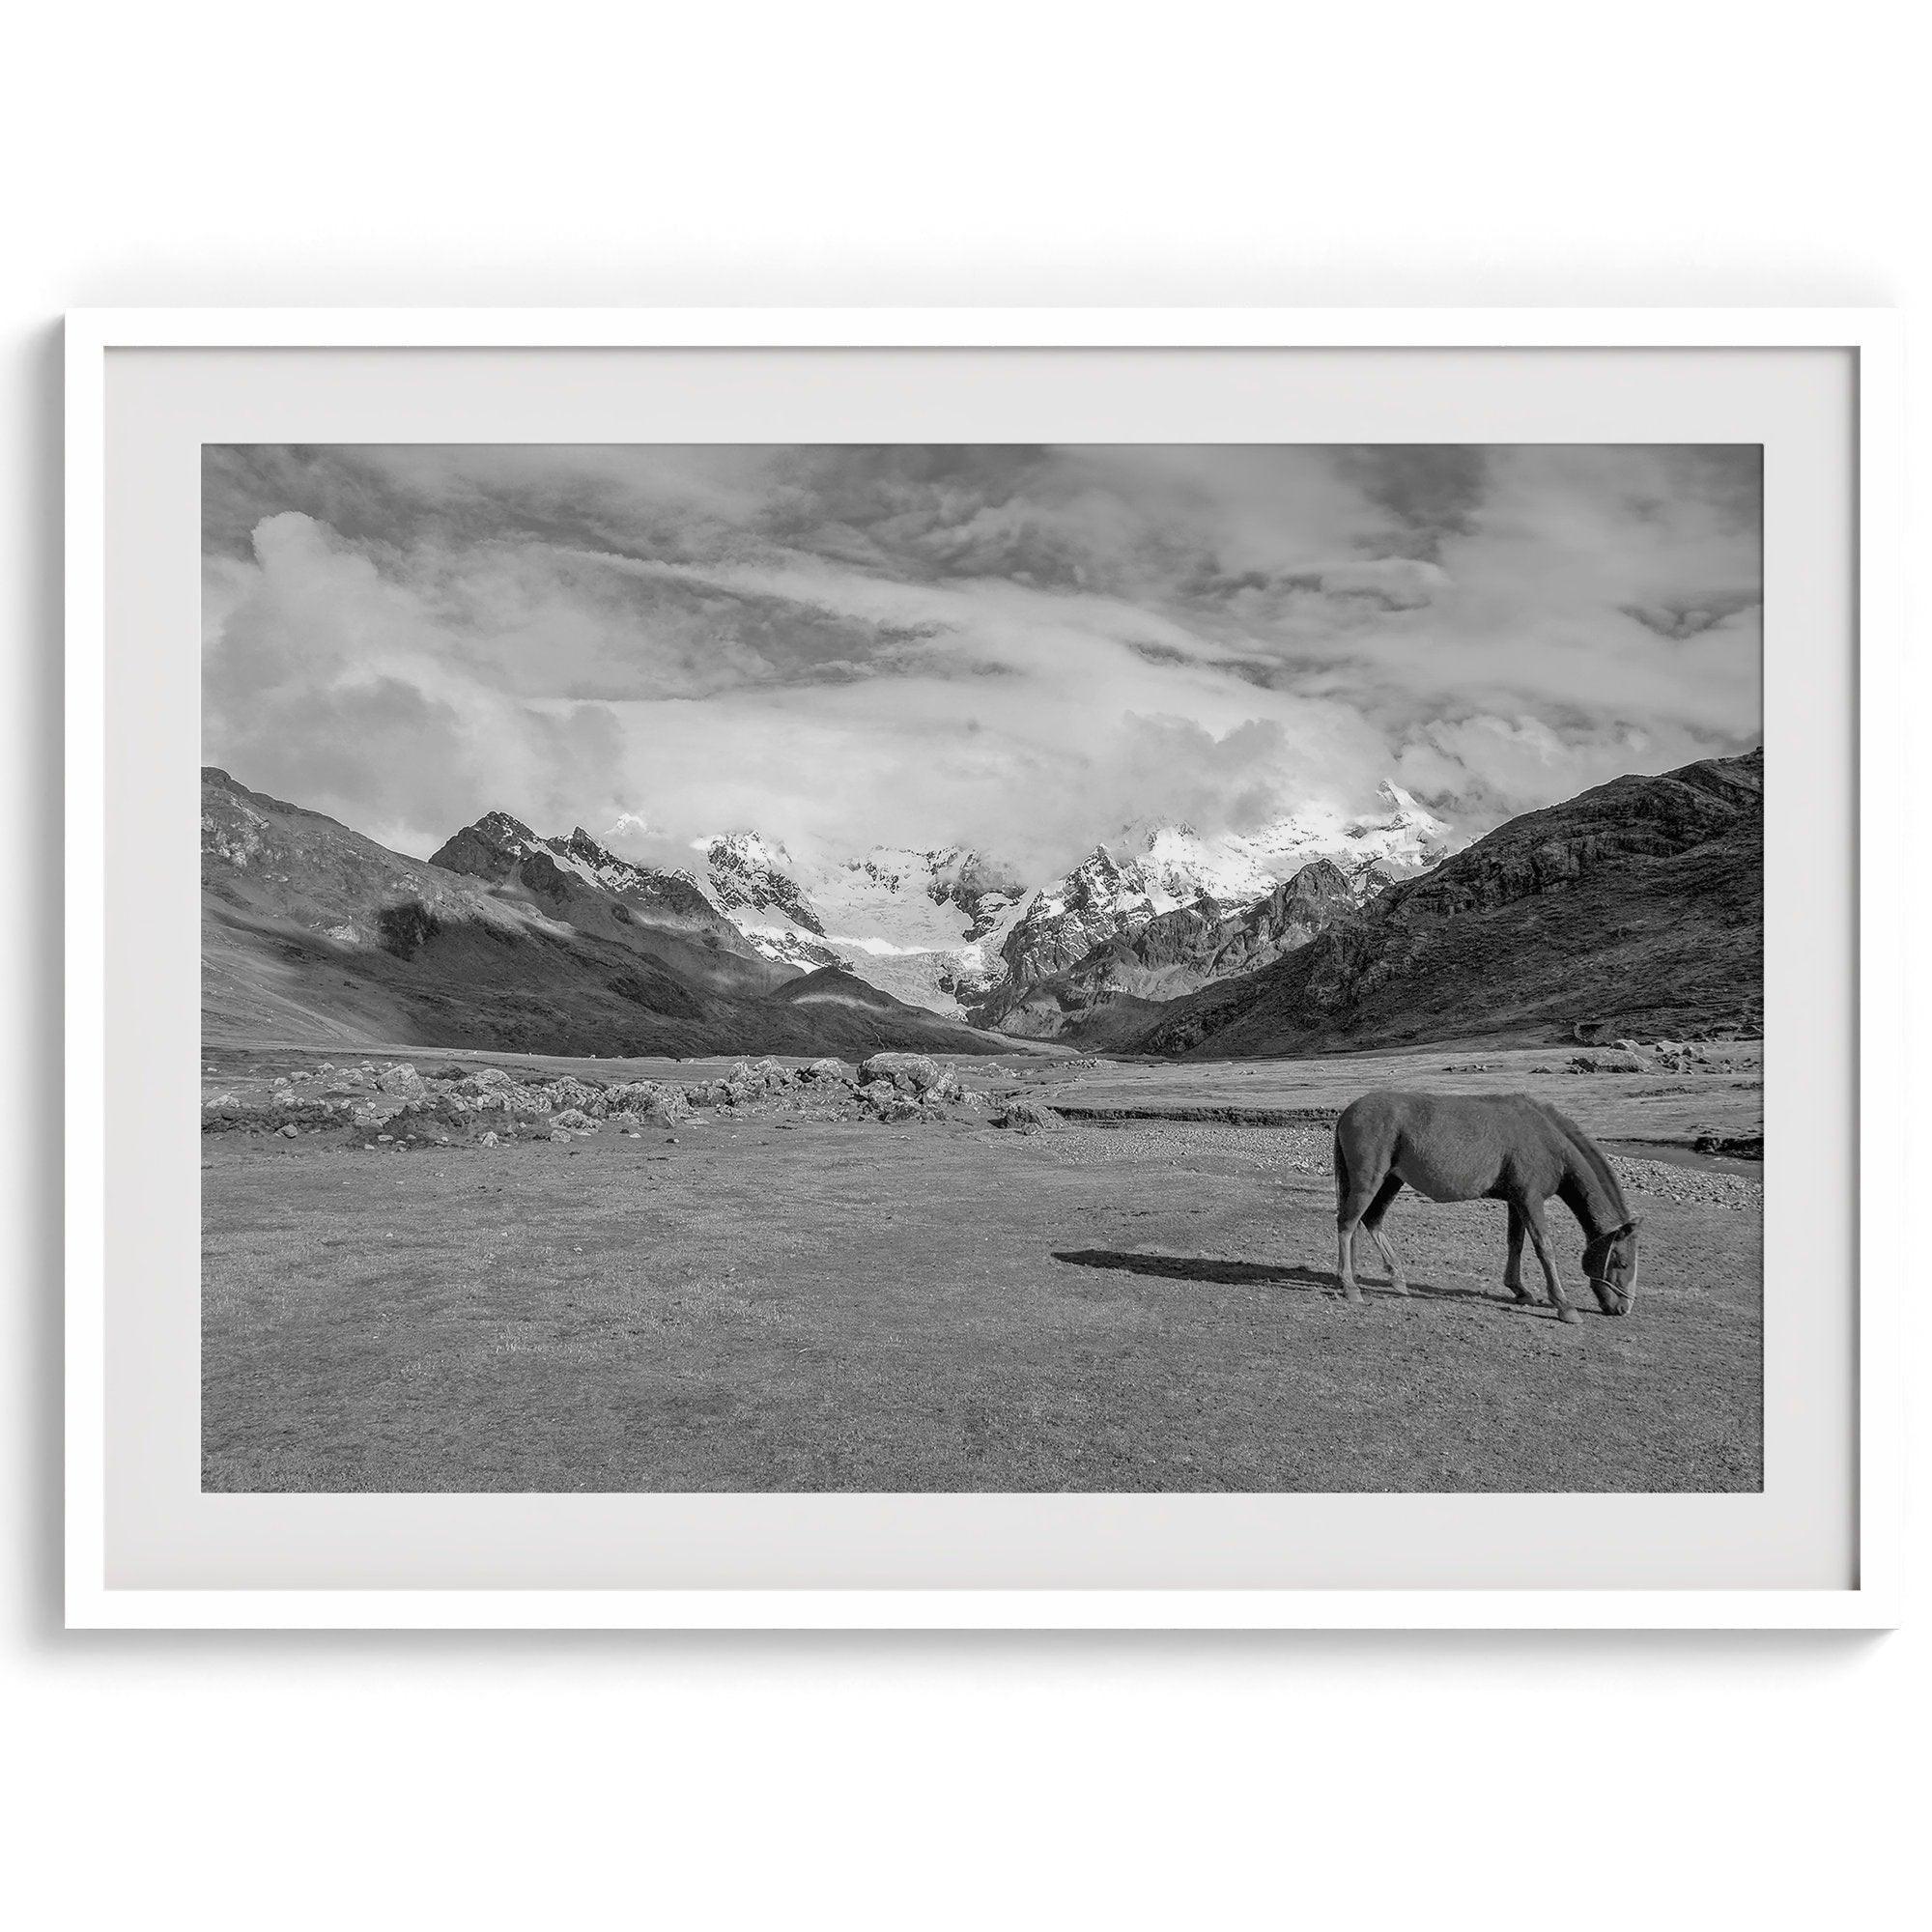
pixel 762 1303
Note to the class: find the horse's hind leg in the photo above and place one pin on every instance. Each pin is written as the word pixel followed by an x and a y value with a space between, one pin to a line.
pixel 1345 1223
pixel 1372 1221
pixel 1348 1212
pixel 1357 1201
pixel 1351 1204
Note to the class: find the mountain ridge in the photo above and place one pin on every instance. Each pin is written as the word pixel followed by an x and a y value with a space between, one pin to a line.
pixel 314 931
pixel 956 930
pixel 1638 902
pixel 1636 905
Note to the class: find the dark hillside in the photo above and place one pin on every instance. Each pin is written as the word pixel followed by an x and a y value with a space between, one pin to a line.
pixel 311 932
pixel 1638 905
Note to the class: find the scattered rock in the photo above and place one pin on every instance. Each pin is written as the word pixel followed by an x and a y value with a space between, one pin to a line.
pixel 649 1101
pixel 746 1082
pixel 1026 1117
pixel 908 1072
pixel 488 1106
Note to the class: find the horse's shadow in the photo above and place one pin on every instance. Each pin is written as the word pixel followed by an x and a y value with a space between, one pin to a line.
pixel 1206 1268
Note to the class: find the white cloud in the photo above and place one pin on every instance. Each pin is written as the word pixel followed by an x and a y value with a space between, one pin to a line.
pixel 1016 648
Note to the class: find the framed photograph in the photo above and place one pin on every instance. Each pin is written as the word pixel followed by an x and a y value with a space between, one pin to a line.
pixel 984 969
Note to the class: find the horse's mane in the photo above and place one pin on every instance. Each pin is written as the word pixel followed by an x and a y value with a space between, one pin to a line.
pixel 1593 1158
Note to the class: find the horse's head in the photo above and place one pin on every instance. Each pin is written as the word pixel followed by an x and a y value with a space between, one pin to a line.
pixel 1609 1260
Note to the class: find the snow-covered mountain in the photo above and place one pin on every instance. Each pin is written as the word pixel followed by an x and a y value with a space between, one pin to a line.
pixel 1404 839
pixel 919 925
pixel 951 929
pixel 1153 870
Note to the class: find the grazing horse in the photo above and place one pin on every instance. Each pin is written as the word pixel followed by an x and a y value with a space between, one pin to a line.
pixel 1465 1147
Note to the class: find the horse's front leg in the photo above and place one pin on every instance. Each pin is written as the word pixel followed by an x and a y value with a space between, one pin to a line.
pixel 1513 1267
pixel 1539 1239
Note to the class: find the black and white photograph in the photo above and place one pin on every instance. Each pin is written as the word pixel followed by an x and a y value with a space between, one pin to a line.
pixel 833 968
pixel 966 968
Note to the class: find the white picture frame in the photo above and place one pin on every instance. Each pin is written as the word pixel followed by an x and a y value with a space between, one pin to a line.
pixel 1872 1599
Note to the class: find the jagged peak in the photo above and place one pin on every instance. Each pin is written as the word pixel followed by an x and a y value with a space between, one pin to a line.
pixel 581 845
pixel 746 846
pixel 500 828
pixel 1103 871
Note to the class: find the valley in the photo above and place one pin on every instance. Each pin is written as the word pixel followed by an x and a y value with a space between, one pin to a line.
pixel 774 1293
pixel 496 1197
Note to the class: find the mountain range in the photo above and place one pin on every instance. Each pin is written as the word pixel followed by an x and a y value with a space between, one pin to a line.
pixel 312 933
pixel 1320 931
pixel 1636 906
pixel 966 934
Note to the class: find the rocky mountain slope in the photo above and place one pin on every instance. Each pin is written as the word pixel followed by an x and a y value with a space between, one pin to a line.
pixel 313 933
pixel 1113 986
pixel 575 882
pixel 1638 905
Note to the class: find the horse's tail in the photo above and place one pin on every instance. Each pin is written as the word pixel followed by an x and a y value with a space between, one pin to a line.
pixel 1341 1170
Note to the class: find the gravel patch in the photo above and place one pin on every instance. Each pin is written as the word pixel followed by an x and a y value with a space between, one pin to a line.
pixel 1695 1186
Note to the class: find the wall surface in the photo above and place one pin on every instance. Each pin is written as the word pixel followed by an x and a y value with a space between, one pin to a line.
pixel 1406 153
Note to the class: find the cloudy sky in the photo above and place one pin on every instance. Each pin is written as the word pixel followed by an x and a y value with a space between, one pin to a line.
pixel 1013 647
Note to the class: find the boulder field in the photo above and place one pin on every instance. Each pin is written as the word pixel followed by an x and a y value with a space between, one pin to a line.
pixel 396 1105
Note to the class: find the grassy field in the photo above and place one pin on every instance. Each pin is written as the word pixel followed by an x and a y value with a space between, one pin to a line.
pixel 758 1303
